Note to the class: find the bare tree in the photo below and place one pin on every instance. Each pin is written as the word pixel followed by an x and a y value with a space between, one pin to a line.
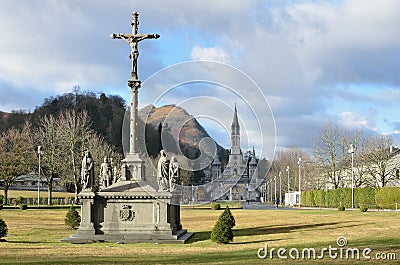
pixel 331 154
pixel 16 155
pixel 359 139
pixel 378 158
pixel 49 136
pixel 75 133
pixel 290 157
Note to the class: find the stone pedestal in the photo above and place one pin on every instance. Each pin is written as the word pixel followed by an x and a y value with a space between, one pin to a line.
pixel 129 212
pixel 132 168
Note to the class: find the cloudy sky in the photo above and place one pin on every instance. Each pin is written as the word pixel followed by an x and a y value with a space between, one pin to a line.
pixel 314 61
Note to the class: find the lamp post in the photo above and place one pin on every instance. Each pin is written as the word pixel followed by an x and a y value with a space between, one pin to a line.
pixel 40 152
pixel 275 188
pixel 351 151
pixel 299 162
pixel 265 192
pixel 271 191
pixel 192 196
pixel 280 187
pixel 288 179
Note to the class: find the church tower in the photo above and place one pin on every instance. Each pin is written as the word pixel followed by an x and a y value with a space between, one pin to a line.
pixel 235 157
pixel 235 135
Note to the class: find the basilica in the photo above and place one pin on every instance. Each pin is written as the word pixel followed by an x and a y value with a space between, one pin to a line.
pixel 232 181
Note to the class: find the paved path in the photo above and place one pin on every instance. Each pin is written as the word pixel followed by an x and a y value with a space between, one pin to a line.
pixel 262 206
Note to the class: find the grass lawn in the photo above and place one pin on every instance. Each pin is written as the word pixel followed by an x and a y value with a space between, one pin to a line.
pixel 34 238
pixel 33 194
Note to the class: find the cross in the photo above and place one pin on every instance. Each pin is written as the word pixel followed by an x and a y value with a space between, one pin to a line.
pixel 133 40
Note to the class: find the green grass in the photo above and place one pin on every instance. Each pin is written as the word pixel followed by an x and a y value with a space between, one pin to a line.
pixel 33 194
pixel 34 238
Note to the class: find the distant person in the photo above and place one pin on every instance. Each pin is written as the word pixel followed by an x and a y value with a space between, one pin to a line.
pixel 277 201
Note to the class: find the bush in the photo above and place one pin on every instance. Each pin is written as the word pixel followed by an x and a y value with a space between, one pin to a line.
pixel 363 208
pixel 1 199
pixel 341 208
pixel 1 206
pixel 20 200
pixel 227 217
pixel 23 206
pixel 387 197
pixel 365 196
pixel 3 228
pixel 215 206
pixel 222 232
pixel 72 219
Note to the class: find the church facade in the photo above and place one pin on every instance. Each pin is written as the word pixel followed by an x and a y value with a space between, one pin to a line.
pixel 233 180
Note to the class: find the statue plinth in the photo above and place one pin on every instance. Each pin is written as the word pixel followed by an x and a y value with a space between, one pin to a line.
pixel 133 168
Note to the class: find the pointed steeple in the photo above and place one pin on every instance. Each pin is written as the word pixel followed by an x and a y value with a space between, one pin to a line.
pixel 235 135
pixel 253 160
pixel 235 123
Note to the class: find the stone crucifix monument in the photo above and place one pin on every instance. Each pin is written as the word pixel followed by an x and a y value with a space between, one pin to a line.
pixel 132 161
pixel 132 209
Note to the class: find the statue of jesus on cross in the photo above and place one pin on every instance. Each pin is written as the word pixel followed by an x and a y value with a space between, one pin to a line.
pixel 133 40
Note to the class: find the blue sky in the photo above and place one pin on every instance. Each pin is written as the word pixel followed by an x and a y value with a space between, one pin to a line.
pixel 315 61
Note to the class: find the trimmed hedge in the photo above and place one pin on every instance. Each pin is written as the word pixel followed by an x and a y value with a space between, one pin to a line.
pixel 385 198
pixel 215 206
pixel 388 197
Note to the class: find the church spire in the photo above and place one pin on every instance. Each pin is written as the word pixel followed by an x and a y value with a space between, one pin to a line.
pixel 235 134
pixel 235 124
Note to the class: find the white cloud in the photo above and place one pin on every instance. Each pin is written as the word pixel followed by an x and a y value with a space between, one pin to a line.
pixel 215 54
pixel 352 120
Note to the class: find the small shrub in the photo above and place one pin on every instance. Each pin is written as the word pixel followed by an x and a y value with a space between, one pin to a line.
pixel 1 199
pixel 222 231
pixel 20 200
pixel 72 219
pixel 341 208
pixel 363 208
pixel 23 206
pixel 228 218
pixel 1 206
pixel 3 228
pixel 215 206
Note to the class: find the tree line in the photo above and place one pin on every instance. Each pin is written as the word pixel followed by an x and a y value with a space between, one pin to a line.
pixel 62 138
pixel 328 165
pixel 65 126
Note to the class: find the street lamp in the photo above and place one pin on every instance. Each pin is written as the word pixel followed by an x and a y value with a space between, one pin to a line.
pixel 288 179
pixel 351 151
pixel 280 187
pixel 265 192
pixel 275 187
pixel 271 191
pixel 299 162
pixel 40 152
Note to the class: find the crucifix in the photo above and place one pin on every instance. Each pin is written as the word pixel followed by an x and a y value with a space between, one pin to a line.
pixel 132 159
pixel 133 40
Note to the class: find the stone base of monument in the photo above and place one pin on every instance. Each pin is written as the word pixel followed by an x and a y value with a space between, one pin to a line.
pixel 130 212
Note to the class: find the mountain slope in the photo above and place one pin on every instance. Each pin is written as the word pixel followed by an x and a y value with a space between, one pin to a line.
pixel 178 123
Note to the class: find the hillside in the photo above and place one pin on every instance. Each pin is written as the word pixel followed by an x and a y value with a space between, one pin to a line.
pixel 107 113
pixel 179 124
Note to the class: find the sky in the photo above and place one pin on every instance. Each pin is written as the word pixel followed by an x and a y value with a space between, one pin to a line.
pixel 290 66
